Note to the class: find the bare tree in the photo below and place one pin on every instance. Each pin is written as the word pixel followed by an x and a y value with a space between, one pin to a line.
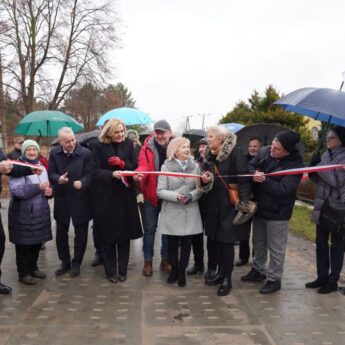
pixel 51 45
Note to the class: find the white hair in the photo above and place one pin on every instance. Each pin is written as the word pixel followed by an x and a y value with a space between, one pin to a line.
pixel 219 132
pixel 65 130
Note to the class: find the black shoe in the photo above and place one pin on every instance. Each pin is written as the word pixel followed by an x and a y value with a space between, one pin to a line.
pixel 253 276
pixel 195 270
pixel 182 277
pixel 271 287
pixel 75 271
pixel 38 274
pixel 328 288
pixel 209 274
pixel 62 270
pixel 112 279
pixel 173 275
pixel 318 282
pixel 225 287
pixel 241 262
pixel 215 280
pixel 4 289
pixel 97 260
pixel 122 278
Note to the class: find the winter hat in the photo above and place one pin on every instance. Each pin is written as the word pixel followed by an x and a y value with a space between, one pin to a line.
pixel 340 132
pixel 288 139
pixel 203 141
pixel 28 143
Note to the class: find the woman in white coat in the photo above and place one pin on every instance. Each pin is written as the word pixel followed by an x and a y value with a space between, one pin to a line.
pixel 180 216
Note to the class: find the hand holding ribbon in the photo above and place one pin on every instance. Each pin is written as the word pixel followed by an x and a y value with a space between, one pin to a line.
pixel 116 161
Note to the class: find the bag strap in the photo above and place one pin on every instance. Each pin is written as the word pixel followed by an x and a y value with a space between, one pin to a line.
pixel 220 176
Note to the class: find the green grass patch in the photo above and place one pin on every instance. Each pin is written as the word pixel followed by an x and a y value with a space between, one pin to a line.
pixel 300 223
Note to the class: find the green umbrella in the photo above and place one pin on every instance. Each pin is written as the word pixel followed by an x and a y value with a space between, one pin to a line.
pixel 46 123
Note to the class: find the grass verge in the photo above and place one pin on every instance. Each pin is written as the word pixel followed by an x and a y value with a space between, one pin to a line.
pixel 300 223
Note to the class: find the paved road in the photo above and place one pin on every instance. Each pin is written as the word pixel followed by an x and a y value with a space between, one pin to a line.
pixel 89 310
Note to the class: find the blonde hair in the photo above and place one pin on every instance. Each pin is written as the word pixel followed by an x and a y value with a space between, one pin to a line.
pixel 109 129
pixel 174 146
pixel 219 132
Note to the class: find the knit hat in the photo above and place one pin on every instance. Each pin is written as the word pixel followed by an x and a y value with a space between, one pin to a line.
pixel 340 132
pixel 28 143
pixel 202 141
pixel 288 139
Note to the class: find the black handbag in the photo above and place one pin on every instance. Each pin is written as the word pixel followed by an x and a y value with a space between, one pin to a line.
pixel 332 215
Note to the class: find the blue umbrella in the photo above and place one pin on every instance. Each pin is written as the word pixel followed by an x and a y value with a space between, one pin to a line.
pixel 129 116
pixel 325 105
pixel 233 127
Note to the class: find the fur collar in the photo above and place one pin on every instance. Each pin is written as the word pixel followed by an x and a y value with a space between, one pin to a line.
pixel 174 166
pixel 224 152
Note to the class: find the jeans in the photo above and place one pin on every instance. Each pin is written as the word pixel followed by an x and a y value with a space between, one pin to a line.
pixel 329 259
pixel 150 221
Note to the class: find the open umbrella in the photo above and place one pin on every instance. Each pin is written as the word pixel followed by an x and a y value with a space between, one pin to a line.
pixel 266 132
pixel 233 127
pixel 194 135
pixel 129 116
pixel 321 104
pixel 85 139
pixel 46 123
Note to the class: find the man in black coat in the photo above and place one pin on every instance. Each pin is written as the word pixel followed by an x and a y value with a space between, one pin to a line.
pixel 275 197
pixel 70 168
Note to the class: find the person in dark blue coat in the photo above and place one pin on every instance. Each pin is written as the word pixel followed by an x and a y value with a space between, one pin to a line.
pixel 29 222
pixel 70 168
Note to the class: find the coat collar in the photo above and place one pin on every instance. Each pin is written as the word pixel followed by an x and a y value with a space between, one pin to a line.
pixel 174 166
pixel 77 151
pixel 225 151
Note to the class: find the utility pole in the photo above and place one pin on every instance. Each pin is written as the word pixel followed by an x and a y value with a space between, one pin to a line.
pixel 2 110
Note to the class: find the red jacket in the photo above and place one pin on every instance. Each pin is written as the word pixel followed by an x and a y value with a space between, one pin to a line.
pixel 148 161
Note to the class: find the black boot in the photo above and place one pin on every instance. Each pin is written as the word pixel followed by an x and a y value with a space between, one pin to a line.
pixel 209 273
pixel 173 275
pixel 328 288
pixel 225 287
pixel 215 280
pixel 182 277
pixel 318 282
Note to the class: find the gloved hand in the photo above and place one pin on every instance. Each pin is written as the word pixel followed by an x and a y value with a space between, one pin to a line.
pixel 116 161
pixel 315 159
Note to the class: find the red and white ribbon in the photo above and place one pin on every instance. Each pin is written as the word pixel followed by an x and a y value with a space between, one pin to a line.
pixel 29 165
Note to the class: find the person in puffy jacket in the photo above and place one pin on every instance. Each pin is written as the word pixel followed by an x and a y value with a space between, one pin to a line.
pixel 29 221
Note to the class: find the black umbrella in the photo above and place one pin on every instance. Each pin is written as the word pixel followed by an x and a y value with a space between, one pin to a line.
pixel 266 132
pixel 85 139
pixel 194 135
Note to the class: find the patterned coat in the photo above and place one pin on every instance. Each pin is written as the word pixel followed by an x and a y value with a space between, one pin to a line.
pixel 329 182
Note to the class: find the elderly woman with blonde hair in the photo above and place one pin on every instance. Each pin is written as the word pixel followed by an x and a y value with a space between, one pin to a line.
pixel 180 216
pixel 115 212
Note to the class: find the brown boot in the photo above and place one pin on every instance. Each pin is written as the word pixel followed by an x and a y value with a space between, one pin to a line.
pixel 165 266
pixel 147 270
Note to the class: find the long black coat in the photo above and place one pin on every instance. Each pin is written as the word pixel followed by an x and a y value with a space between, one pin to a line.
pixel 115 212
pixel 68 201
pixel 219 212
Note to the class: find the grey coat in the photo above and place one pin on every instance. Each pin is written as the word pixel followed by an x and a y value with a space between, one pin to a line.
pixel 175 218
pixel 29 213
pixel 329 182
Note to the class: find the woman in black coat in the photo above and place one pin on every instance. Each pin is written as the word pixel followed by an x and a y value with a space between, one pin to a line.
pixel 223 158
pixel 115 212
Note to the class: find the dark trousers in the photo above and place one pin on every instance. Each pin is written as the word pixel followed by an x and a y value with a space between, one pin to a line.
pixel 185 247
pixel 226 258
pixel 116 256
pixel 198 250
pixel 329 259
pixel 244 251
pixel 2 242
pixel 80 242
pixel 26 258
pixel 212 254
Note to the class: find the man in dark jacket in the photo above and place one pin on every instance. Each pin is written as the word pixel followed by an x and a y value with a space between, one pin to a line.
pixel 275 196
pixel 70 168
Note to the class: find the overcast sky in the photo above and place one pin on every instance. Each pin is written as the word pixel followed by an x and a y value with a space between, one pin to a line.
pixel 191 57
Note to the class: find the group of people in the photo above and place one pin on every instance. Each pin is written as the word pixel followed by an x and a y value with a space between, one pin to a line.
pixel 90 184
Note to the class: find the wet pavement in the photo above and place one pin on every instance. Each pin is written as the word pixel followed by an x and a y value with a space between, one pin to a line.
pixel 90 310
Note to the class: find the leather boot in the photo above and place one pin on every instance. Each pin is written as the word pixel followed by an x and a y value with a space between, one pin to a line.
pixel 173 276
pixel 225 287
pixel 147 270
pixel 182 277
pixel 165 266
